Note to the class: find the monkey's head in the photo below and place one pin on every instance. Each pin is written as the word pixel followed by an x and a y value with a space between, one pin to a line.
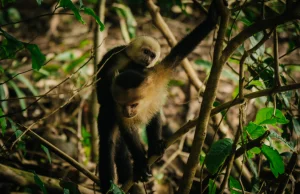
pixel 144 50
pixel 127 92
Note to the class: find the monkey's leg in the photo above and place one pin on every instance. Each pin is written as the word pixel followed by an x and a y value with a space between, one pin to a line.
pixel 140 167
pixel 123 162
pixel 108 133
pixel 156 145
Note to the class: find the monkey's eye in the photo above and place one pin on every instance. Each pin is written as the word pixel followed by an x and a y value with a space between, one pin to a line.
pixel 152 55
pixel 134 105
pixel 147 51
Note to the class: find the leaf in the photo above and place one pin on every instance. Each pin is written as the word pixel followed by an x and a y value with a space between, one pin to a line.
pixel 218 154
pixel 265 116
pixel 254 130
pixel 257 83
pixel 40 183
pixel 38 59
pixel 3 122
pixel 9 46
pixel 115 189
pixel 4 2
pixel 25 81
pixel 233 183
pixel 290 145
pixel 296 126
pixel 91 12
pixel 204 63
pixel 276 162
pixel 70 186
pixel 46 150
pixel 39 1
pixel 212 187
pixel 20 94
pixel 251 153
pixel 69 4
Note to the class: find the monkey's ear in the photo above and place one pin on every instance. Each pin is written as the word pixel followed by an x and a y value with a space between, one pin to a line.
pixel 129 79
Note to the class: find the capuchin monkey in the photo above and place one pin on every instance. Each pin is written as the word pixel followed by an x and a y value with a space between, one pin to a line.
pixel 119 143
pixel 131 94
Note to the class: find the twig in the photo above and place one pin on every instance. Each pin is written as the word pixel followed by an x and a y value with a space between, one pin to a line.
pixel 63 155
pixel 209 97
pixel 276 60
pixel 39 98
pixel 26 179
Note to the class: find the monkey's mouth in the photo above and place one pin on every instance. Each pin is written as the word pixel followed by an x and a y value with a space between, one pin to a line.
pixel 129 115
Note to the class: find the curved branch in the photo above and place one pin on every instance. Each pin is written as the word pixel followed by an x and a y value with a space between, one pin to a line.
pixel 257 27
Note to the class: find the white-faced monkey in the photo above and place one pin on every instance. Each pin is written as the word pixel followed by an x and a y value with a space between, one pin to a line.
pixel 131 94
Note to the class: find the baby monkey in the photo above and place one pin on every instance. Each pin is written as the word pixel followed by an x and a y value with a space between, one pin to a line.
pixel 123 70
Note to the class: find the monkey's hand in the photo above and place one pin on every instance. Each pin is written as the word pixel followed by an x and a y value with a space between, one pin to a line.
pixel 141 172
pixel 157 148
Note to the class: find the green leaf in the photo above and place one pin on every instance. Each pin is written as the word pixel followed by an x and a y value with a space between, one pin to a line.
pixel 251 153
pixel 46 150
pixel 39 1
pixel 40 183
pixel 69 4
pixel 38 59
pixel 3 122
pixel 25 81
pixel 276 162
pixel 233 183
pixel 212 187
pixel 296 126
pixel 265 116
pixel 9 46
pixel 256 83
pixel 273 134
pixel 253 130
pixel 66 191
pixel 115 189
pixel 91 12
pixel 204 63
pixel 70 186
pixel 20 94
pixel 4 2
pixel 218 154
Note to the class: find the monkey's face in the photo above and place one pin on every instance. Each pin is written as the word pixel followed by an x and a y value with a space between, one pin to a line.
pixel 129 110
pixel 144 50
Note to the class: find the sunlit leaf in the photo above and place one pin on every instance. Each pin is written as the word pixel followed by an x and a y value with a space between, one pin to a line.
pixel 266 116
pixel 253 130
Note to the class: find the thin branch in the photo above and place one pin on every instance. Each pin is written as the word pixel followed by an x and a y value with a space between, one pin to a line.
pixel 39 98
pixel 209 97
pixel 257 27
pixel 276 60
pixel 26 179
pixel 34 18
pixel 26 71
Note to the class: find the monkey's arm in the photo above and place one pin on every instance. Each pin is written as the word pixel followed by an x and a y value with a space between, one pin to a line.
pixel 132 139
pixel 189 42
pixel 156 145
